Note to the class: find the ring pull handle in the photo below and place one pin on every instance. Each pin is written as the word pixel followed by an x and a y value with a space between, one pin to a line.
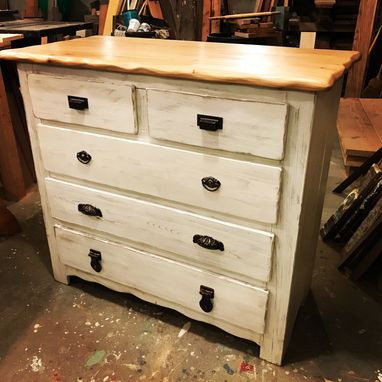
pixel 89 210
pixel 207 295
pixel 208 242
pixel 84 157
pixel 210 183
pixel 95 260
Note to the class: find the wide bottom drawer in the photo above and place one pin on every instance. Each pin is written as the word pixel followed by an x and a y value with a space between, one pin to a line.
pixel 233 302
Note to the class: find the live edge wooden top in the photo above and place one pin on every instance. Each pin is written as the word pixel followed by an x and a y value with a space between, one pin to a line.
pixel 275 67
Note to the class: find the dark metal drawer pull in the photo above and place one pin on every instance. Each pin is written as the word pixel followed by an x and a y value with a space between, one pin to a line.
pixel 89 210
pixel 210 183
pixel 207 295
pixel 209 122
pixel 208 242
pixel 95 260
pixel 78 103
pixel 84 157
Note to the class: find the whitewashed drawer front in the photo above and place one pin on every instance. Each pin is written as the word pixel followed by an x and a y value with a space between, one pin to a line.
pixel 233 302
pixel 247 189
pixel 244 251
pixel 110 104
pixel 256 128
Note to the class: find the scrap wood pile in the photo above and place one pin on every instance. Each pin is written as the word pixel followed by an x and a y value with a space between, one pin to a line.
pixel 251 28
pixel 356 225
pixel 359 127
pixel 257 24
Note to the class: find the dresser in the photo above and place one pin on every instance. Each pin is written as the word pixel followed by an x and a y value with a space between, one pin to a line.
pixel 189 174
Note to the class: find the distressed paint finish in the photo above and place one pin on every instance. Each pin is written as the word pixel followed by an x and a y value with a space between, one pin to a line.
pixel 178 283
pixel 111 104
pixel 249 127
pixel 262 197
pixel 164 172
pixel 151 226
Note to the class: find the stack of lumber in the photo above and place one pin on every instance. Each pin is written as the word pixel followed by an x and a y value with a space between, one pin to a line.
pixel 251 28
pixel 258 27
pixel 359 127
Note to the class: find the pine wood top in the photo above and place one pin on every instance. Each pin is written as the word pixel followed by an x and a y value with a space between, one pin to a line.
pixel 276 67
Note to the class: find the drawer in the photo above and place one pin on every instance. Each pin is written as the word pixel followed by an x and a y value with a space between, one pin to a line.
pixel 245 189
pixel 251 127
pixel 223 247
pixel 233 302
pixel 105 105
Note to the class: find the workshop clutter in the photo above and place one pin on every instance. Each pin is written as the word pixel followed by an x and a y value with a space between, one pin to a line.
pixel 134 20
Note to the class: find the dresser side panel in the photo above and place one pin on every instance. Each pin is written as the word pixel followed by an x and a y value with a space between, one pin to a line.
pixel 59 269
pixel 323 135
pixel 299 132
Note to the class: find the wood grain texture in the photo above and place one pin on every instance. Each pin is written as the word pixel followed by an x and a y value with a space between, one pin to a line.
pixel 175 282
pixel 256 128
pixel 247 252
pixel 303 69
pixel 165 172
pixel 358 134
pixel 361 43
pixel 373 109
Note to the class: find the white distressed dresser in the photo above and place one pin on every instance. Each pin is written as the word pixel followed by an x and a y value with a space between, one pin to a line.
pixel 189 174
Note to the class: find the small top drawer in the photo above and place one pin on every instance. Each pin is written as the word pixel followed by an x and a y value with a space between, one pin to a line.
pixel 86 102
pixel 242 126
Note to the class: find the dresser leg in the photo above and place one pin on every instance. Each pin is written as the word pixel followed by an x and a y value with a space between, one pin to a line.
pixel 272 350
pixel 59 272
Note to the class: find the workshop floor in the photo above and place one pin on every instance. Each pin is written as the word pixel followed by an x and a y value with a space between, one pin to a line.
pixel 84 332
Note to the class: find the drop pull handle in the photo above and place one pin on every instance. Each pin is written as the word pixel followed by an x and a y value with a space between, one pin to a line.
pixel 89 210
pixel 84 157
pixel 209 122
pixel 207 296
pixel 78 103
pixel 95 260
pixel 208 242
pixel 210 183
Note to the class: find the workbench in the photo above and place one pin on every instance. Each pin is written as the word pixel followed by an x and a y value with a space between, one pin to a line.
pixel 34 30
pixel 189 174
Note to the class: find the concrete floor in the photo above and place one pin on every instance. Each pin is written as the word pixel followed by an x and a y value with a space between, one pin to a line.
pixel 85 332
